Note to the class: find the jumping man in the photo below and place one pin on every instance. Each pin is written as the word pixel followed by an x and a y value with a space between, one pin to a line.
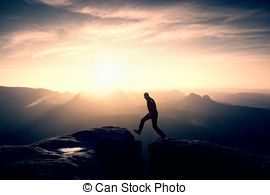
pixel 153 115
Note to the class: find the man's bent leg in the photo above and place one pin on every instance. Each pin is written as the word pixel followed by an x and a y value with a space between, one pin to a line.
pixel 145 118
pixel 156 128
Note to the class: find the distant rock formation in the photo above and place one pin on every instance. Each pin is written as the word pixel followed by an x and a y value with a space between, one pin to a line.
pixel 101 153
pixel 260 100
pixel 207 98
pixel 194 99
pixel 182 159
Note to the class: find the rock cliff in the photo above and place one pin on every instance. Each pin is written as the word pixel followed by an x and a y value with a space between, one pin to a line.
pixel 101 153
pixel 174 158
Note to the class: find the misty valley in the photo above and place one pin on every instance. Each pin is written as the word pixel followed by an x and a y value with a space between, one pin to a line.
pixel 31 115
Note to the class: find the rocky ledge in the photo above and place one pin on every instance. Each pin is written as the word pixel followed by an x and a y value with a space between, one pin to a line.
pixel 113 153
pixel 101 153
pixel 174 158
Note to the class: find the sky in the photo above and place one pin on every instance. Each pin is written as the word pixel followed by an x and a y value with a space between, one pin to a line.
pixel 103 45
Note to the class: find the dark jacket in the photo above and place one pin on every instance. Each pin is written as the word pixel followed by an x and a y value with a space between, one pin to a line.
pixel 151 105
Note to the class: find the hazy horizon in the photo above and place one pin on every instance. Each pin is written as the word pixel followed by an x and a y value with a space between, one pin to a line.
pixel 200 91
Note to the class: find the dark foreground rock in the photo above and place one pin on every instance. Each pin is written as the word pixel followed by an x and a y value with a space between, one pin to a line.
pixel 181 159
pixel 102 153
pixel 113 153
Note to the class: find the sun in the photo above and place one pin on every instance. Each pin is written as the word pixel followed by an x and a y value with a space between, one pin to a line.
pixel 108 72
pixel 108 76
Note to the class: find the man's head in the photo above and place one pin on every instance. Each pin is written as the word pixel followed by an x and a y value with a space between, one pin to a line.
pixel 146 95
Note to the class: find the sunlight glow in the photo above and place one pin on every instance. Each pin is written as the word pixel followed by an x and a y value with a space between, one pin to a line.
pixel 108 76
pixel 107 71
pixel 101 49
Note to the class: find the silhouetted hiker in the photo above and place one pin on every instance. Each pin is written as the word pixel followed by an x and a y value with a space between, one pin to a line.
pixel 153 115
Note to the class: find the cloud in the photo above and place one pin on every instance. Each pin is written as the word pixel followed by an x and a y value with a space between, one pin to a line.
pixel 161 3
pixel 30 37
pixel 64 51
pixel 220 26
pixel 18 15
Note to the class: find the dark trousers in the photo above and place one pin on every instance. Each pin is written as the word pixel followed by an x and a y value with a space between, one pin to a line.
pixel 153 118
